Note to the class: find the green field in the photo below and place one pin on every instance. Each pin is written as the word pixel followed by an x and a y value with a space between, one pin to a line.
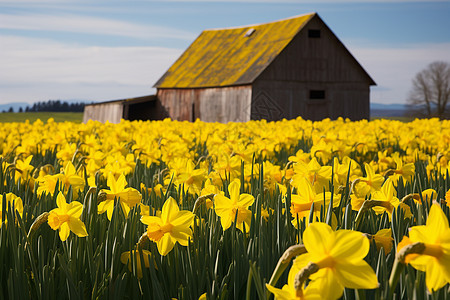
pixel 44 116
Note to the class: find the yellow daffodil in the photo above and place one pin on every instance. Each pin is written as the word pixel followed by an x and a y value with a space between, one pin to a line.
pixel 387 194
pixel 319 176
pixel 66 218
pixel 339 256
pixel 11 199
pixel 126 258
pixel 127 197
pixel 447 198
pixel 406 171
pixel 209 189
pixel 227 208
pixel 172 226
pixel 306 196
pixel 428 195
pixel 435 259
pixel 372 182
pixel 23 168
pixel 68 177
pixel 383 238
pixel 191 178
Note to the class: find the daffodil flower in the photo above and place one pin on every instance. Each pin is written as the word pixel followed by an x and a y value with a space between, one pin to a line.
pixel 305 198
pixel 10 198
pixel 66 218
pixel 383 238
pixel 23 168
pixel 319 176
pixel 339 256
pixel 227 208
pixel 125 258
pixel 68 177
pixel 387 196
pixel 435 259
pixel 372 182
pixel 191 178
pixel 172 226
pixel 127 197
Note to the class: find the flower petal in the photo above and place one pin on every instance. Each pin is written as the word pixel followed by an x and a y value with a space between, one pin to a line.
pixel 434 276
pixel 356 275
pixel 437 222
pixel 316 238
pixel 61 201
pixel 165 244
pixel 350 245
pixel 328 285
pixel 64 231
pixel 74 209
pixel 169 210
pixel 182 235
pixel 148 220
pixel 235 189
pixel 184 218
pixel 245 200
pixel 77 227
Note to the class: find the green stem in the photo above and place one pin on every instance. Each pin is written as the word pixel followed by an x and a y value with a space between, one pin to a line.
pixel 284 261
pixel 399 264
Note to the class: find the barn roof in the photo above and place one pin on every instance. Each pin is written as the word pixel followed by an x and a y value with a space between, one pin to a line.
pixel 128 101
pixel 232 56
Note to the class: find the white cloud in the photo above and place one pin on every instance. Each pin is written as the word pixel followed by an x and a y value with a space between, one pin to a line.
pixel 89 25
pixel 38 69
pixel 394 68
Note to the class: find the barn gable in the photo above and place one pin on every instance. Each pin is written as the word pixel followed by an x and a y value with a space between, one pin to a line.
pixel 316 77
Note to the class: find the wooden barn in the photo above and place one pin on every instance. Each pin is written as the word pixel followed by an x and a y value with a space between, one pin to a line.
pixel 140 108
pixel 283 69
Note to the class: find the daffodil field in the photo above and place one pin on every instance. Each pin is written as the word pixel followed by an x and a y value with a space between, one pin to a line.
pixel 165 209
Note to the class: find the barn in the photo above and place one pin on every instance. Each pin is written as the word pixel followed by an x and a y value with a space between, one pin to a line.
pixel 139 108
pixel 283 69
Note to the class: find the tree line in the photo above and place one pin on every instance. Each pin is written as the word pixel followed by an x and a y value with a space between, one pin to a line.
pixel 52 106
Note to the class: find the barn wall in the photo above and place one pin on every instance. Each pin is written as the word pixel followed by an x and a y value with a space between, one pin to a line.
pixel 111 112
pixel 274 100
pixel 315 64
pixel 227 104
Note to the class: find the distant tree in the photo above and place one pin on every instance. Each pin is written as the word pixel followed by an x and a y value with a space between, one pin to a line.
pixel 430 93
pixel 11 109
pixel 56 106
pixel 20 109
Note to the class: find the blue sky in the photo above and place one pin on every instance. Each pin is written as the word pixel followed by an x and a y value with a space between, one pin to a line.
pixel 105 50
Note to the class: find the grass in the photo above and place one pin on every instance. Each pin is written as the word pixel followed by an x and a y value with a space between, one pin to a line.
pixel 76 117
pixel 396 118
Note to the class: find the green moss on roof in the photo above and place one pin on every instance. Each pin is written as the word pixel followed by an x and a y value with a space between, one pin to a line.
pixel 226 57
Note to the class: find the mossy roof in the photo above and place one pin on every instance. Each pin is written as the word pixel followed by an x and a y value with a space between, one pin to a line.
pixel 232 56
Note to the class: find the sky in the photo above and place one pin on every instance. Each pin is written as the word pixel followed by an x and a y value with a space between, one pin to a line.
pixel 101 50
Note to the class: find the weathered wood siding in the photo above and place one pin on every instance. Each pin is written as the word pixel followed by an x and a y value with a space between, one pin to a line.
pixel 313 64
pixel 111 112
pixel 274 100
pixel 226 104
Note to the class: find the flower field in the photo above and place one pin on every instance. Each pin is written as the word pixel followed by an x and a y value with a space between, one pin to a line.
pixel 165 209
